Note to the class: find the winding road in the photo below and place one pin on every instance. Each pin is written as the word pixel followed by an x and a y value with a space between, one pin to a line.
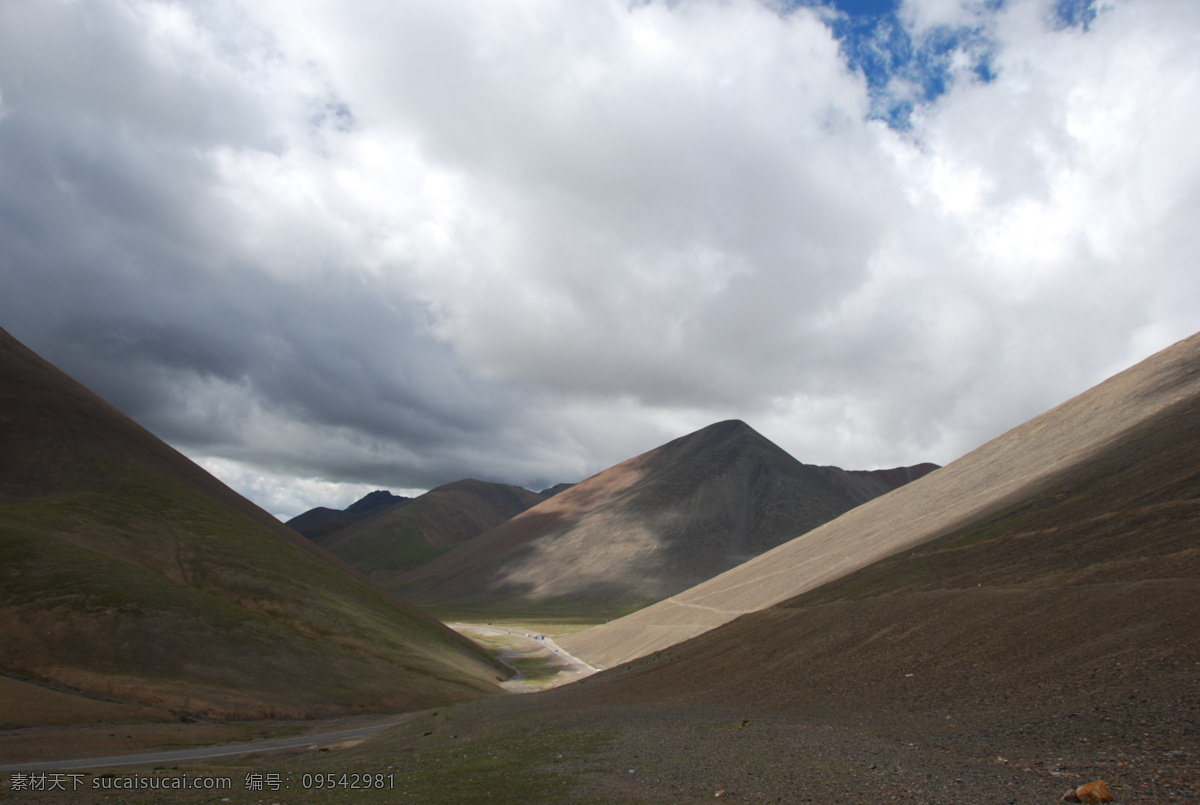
pixel 205 752
pixel 531 645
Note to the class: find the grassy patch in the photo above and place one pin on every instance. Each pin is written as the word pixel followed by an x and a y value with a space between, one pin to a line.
pixel 396 546
pixel 140 577
pixel 528 768
pixel 537 670
pixel 423 762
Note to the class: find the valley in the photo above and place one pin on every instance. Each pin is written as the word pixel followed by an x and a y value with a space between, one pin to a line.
pixel 529 650
pixel 1018 622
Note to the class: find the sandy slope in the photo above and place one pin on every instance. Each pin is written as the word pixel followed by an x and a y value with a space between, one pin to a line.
pixel 1008 468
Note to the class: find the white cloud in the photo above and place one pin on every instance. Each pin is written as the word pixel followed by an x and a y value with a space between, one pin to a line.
pixel 287 495
pixel 397 244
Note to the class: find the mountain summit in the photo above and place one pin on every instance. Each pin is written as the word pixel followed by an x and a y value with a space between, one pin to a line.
pixel 652 526
pixel 317 523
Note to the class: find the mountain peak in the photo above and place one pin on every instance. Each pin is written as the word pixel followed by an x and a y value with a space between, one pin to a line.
pixel 397 538
pixel 727 426
pixel 372 501
pixel 650 526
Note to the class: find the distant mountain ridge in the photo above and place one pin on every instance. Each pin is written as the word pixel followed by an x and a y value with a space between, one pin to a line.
pixel 397 537
pixel 653 525
pixel 372 503
pixel 322 520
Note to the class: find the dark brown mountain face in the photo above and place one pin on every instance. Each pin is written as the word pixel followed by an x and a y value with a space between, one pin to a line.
pixel 54 430
pixel 651 526
pixel 401 538
pixel 318 523
pixel 129 574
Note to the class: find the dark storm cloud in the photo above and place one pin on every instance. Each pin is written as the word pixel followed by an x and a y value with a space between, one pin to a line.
pixel 119 264
pixel 327 247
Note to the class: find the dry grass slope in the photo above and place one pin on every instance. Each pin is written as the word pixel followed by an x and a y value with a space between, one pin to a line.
pixel 128 575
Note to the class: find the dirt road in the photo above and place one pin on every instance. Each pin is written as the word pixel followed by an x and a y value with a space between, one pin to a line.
pixel 327 739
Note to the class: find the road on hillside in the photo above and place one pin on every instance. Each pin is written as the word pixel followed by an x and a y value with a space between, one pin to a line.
pixel 205 752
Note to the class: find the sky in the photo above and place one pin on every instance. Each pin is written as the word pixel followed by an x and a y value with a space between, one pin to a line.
pixel 330 247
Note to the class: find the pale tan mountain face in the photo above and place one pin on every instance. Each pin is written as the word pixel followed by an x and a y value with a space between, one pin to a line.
pixel 651 526
pixel 1011 468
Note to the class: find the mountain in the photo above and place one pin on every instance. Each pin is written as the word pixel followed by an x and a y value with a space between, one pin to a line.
pixel 649 527
pixel 1006 472
pixel 321 521
pixel 130 575
pixel 402 537
pixel 1031 626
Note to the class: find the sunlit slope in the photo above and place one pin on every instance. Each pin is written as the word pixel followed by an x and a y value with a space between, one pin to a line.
pixel 649 527
pixel 1013 468
pixel 129 574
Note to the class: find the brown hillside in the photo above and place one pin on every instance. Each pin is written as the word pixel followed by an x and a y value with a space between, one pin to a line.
pixel 129 574
pixel 321 523
pixel 650 526
pixel 54 430
pixel 404 537
pixel 996 476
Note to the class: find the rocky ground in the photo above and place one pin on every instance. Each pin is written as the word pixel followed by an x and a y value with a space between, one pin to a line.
pixel 575 745
pixel 777 758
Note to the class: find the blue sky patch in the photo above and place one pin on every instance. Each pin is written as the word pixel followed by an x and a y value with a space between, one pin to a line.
pixel 867 7
pixel 904 72
pixel 1075 13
